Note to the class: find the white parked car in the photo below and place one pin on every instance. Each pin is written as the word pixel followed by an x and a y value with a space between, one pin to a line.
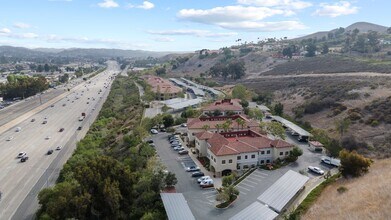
pixel 203 178
pixel 22 154
pixel 206 183
pixel 316 170
pixel 154 131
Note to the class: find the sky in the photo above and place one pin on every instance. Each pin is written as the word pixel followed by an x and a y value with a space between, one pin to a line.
pixel 175 25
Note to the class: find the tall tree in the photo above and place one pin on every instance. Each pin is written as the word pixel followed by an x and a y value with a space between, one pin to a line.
pixel 278 109
pixel 311 49
pixel 341 126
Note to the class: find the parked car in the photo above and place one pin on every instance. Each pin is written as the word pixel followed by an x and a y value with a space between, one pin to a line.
pixel 150 141
pixel 199 180
pixel 152 145
pixel 49 152
pixel 24 159
pixel 183 152
pixel 206 183
pixel 21 154
pixel 192 169
pixel 316 170
pixel 154 131
pixel 183 125
pixel 331 161
pixel 178 148
pixel 197 174
pixel 175 143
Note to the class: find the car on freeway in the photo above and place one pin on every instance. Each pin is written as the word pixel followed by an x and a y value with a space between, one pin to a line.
pixel 10 138
pixel 183 152
pixel 154 131
pixel 192 169
pixel 58 148
pixel 32 120
pixel 49 152
pixel 64 105
pixel 61 130
pixel 203 178
pixel 44 122
pixel 197 174
pixel 47 137
pixel 21 154
pixel 316 170
pixel 79 128
pixel 24 159
pixel 52 106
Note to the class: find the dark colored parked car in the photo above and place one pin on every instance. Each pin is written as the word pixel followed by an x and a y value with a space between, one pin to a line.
pixel 197 174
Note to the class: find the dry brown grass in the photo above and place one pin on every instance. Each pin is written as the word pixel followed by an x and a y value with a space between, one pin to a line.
pixel 367 197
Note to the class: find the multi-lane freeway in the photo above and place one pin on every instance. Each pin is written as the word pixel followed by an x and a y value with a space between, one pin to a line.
pixel 21 181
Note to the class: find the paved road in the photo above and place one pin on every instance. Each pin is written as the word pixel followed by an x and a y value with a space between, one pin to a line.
pixel 20 182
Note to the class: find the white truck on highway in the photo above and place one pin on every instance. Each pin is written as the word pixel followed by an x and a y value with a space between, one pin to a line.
pixel 331 161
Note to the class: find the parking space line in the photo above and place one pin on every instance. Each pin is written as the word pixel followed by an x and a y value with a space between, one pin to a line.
pixel 210 192
pixel 243 187
pixel 260 176
pixel 246 184
pixel 247 180
pixel 241 192
pixel 260 173
pixel 253 178
pixel 210 196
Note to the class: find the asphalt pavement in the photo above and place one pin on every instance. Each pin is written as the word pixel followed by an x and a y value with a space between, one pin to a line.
pixel 21 182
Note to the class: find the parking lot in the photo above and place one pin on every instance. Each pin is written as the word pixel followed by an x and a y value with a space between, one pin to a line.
pixel 202 201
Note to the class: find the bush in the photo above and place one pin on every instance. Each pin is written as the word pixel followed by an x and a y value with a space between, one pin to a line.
pixel 342 189
pixel 353 164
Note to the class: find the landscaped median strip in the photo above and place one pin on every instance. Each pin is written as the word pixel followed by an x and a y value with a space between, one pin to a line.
pixel 244 176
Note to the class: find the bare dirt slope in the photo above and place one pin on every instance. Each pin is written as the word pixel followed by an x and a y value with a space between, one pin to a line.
pixel 367 197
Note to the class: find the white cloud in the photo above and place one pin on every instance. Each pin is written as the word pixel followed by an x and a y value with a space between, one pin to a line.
pixel 236 13
pixel 21 25
pixel 243 18
pixel 108 4
pixel 193 32
pixel 5 31
pixel 289 4
pixel 264 26
pixel 163 39
pixel 146 5
pixel 336 9
pixel 59 0
pixel 27 35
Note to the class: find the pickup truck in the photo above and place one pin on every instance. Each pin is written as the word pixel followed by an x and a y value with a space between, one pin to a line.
pixel 331 161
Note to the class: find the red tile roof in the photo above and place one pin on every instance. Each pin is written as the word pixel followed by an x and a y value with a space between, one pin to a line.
pixel 231 143
pixel 198 123
pixel 161 85
pixel 225 105
pixel 204 135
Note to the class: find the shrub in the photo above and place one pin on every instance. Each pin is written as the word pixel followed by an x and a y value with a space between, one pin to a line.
pixel 342 189
pixel 374 123
pixel 353 164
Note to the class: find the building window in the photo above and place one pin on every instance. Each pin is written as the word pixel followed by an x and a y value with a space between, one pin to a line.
pixel 252 165
pixel 230 161
pixel 267 161
pixel 281 153
pixel 263 152
pixel 223 161
pixel 214 160
pixel 245 157
pixel 262 161
pixel 239 157
pixel 268 152
pixel 287 153
pixel 253 156
pixel 245 166
pixel 238 167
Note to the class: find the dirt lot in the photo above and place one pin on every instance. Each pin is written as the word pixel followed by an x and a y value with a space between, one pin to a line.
pixel 367 197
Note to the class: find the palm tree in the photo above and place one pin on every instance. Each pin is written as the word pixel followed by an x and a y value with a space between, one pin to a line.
pixel 206 127
pixel 218 127
pixel 227 125
pixel 240 122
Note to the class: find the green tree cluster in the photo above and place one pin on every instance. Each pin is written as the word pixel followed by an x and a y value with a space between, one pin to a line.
pixel 22 86
pixel 235 69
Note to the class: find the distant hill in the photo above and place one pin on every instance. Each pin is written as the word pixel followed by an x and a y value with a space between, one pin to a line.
pixel 363 27
pixel 22 52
